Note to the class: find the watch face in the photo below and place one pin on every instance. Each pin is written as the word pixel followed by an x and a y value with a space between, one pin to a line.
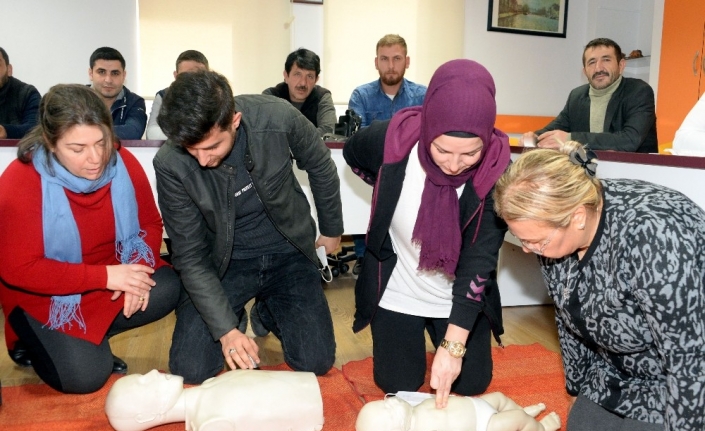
pixel 455 348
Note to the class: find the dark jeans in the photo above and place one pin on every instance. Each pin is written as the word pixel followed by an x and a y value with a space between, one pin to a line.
pixel 399 352
pixel 586 415
pixel 72 365
pixel 290 302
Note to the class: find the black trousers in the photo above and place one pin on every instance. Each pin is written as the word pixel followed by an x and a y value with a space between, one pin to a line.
pixel 72 365
pixel 399 352
pixel 585 415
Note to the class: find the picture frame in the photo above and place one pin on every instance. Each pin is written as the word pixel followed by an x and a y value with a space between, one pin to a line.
pixel 308 1
pixel 532 17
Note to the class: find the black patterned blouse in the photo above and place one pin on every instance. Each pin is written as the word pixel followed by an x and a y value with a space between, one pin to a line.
pixel 631 313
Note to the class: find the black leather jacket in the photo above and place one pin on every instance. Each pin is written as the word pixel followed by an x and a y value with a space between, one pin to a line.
pixel 197 203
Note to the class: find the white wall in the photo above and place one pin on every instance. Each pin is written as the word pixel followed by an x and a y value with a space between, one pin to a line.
pixel 245 40
pixel 307 32
pixel 433 34
pixel 51 41
pixel 533 73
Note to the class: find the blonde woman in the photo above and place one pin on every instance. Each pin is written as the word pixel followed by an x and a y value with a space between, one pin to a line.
pixel 624 261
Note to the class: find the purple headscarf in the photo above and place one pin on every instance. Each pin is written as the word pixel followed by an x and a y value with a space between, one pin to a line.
pixel 460 98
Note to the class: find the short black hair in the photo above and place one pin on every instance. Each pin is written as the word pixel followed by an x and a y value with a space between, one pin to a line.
pixel 194 104
pixel 5 56
pixel 305 59
pixel 107 53
pixel 603 41
pixel 191 55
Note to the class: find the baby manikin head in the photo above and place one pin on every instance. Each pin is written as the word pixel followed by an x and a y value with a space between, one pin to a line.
pixel 391 413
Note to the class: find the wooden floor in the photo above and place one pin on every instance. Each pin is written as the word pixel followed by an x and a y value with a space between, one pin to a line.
pixel 147 348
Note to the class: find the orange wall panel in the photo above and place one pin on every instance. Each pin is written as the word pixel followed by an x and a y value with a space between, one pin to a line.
pixel 681 64
pixel 521 123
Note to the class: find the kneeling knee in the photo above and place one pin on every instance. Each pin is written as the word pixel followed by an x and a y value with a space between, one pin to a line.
pixel 318 366
pixel 193 375
pixel 470 386
pixel 393 384
pixel 85 383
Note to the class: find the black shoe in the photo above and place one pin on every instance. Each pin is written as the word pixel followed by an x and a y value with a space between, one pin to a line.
pixel 119 366
pixel 20 355
pixel 357 268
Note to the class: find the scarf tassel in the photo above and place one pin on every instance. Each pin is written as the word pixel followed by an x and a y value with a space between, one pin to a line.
pixel 133 249
pixel 64 310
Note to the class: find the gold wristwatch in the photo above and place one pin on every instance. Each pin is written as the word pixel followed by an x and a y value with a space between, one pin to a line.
pixel 455 348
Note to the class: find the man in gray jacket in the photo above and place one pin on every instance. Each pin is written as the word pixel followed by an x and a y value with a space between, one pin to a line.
pixel 240 226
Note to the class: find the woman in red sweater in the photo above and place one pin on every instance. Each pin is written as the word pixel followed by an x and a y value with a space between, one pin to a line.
pixel 79 245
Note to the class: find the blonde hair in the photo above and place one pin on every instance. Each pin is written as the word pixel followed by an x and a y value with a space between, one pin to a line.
pixel 546 186
pixel 391 39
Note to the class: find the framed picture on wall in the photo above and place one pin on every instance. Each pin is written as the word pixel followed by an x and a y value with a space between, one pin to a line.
pixel 308 1
pixel 534 17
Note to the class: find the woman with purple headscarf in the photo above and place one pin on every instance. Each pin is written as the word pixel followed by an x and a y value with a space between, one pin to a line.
pixel 433 239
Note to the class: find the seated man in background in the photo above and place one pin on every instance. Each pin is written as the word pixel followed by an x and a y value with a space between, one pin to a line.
pixel 301 71
pixel 188 61
pixel 19 102
pixel 107 74
pixel 382 98
pixel 611 112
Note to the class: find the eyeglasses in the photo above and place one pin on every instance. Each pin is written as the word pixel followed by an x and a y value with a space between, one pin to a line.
pixel 529 245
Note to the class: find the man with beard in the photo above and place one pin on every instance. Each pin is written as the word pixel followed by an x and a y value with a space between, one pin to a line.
pixel 19 102
pixel 301 70
pixel 611 112
pixel 381 99
pixel 107 74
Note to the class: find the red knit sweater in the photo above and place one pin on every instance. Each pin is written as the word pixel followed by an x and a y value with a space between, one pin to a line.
pixel 28 279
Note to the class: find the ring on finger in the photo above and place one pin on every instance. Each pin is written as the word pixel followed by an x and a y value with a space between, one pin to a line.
pixel 231 351
pixel 141 298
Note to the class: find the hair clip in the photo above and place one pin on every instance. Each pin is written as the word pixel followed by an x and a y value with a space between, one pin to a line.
pixel 586 158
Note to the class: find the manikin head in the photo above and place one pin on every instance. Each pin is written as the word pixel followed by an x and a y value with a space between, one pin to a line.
pixel 390 414
pixel 138 402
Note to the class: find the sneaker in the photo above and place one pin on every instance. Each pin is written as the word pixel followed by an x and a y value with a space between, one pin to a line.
pixel 256 322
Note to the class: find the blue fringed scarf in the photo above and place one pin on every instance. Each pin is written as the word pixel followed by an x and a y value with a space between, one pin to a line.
pixel 62 241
